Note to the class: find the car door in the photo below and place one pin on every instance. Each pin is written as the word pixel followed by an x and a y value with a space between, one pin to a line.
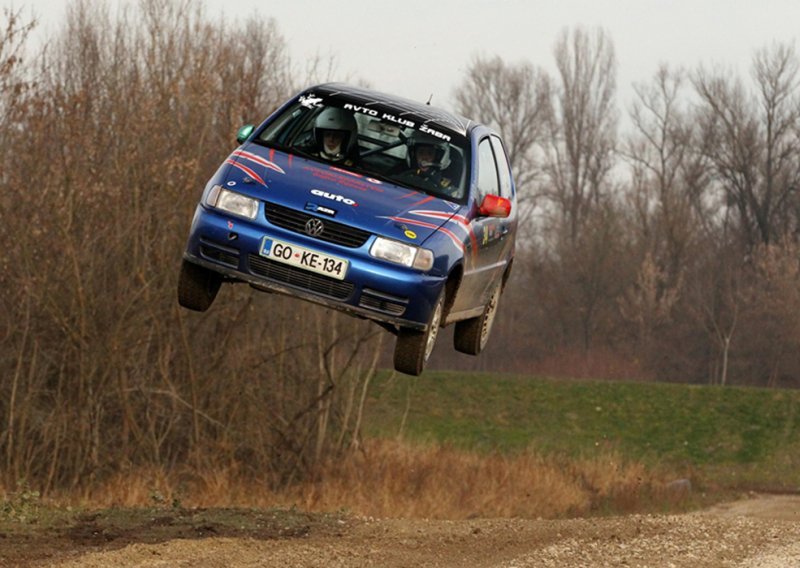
pixel 487 254
pixel 505 228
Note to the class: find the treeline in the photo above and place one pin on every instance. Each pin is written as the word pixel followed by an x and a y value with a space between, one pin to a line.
pixel 668 254
pixel 107 138
pixel 667 249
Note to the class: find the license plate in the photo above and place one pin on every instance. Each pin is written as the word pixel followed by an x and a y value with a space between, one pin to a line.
pixel 304 258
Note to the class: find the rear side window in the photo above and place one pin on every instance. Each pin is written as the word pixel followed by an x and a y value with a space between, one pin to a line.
pixel 503 169
pixel 487 170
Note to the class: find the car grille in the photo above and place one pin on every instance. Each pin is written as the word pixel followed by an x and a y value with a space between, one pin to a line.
pixel 294 220
pixel 382 302
pixel 300 278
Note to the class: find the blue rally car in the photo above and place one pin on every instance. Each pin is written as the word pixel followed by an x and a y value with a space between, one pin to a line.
pixel 371 204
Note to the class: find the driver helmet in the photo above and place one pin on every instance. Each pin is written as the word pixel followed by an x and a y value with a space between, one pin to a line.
pixel 334 119
pixel 439 157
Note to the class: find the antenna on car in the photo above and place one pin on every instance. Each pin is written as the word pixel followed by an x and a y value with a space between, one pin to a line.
pixel 429 100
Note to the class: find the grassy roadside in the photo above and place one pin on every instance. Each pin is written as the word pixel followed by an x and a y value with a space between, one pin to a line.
pixel 730 437
pixel 471 446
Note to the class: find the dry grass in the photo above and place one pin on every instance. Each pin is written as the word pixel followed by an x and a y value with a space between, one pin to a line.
pixel 395 479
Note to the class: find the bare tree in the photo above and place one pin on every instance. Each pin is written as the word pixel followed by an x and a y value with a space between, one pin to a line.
pixel 580 227
pixel 770 329
pixel 14 81
pixel 649 302
pixel 513 99
pixel 713 300
pixel 669 175
pixel 754 140
pixel 582 125
pixel 667 205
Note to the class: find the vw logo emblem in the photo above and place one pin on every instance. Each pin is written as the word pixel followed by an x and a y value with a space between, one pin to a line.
pixel 314 227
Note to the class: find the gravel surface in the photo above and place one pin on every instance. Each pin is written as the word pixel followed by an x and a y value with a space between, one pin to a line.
pixel 761 532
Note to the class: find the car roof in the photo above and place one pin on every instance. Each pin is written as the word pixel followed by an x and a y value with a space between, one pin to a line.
pixel 420 112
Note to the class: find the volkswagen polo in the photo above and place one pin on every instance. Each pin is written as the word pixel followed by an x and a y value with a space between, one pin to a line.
pixel 378 206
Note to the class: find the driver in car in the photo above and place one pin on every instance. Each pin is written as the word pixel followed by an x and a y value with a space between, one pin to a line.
pixel 427 159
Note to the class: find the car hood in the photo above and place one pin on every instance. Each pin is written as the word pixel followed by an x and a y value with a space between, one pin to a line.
pixel 331 192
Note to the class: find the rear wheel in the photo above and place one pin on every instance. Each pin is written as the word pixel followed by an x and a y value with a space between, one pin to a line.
pixel 413 348
pixel 197 286
pixel 471 335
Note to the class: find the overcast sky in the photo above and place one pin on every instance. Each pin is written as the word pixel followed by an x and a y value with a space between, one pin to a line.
pixel 416 48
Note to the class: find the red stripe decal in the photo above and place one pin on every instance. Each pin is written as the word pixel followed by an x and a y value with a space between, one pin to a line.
pixel 442 215
pixel 459 243
pixel 341 171
pixel 259 160
pixel 246 170
pixel 421 201
pixel 410 194
pixel 458 219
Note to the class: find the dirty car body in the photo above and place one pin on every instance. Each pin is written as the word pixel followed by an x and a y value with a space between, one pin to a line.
pixel 367 230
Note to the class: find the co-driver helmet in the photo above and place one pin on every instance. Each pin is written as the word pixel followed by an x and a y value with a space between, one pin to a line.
pixel 441 156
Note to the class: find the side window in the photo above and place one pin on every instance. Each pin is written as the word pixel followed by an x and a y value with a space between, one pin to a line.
pixel 286 125
pixel 487 170
pixel 503 169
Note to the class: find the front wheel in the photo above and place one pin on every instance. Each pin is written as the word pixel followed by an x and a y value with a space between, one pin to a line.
pixel 197 286
pixel 413 348
pixel 471 335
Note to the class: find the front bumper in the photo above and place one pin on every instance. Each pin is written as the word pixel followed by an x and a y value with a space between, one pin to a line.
pixel 372 288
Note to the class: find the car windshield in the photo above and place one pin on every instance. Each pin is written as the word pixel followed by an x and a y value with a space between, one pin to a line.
pixel 384 143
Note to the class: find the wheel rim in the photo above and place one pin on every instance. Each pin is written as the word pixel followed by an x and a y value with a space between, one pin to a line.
pixel 488 318
pixel 433 330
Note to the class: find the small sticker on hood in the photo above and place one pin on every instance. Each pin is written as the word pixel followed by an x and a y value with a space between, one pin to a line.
pixel 334 197
pixel 314 208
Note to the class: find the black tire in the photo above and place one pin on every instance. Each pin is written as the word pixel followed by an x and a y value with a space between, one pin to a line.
pixel 413 348
pixel 197 286
pixel 471 335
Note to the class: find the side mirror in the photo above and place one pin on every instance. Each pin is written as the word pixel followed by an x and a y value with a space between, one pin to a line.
pixel 495 206
pixel 244 133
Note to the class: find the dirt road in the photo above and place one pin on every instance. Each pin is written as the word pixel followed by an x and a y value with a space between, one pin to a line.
pixel 762 532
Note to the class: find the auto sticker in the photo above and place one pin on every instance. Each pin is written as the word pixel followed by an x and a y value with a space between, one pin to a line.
pixel 343 178
pixel 485 236
pixel 310 101
pixel 399 120
pixel 334 197
pixel 428 130
pixel 361 109
pixel 315 208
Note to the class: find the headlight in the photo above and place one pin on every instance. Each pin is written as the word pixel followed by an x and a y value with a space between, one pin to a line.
pixel 401 253
pixel 232 202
